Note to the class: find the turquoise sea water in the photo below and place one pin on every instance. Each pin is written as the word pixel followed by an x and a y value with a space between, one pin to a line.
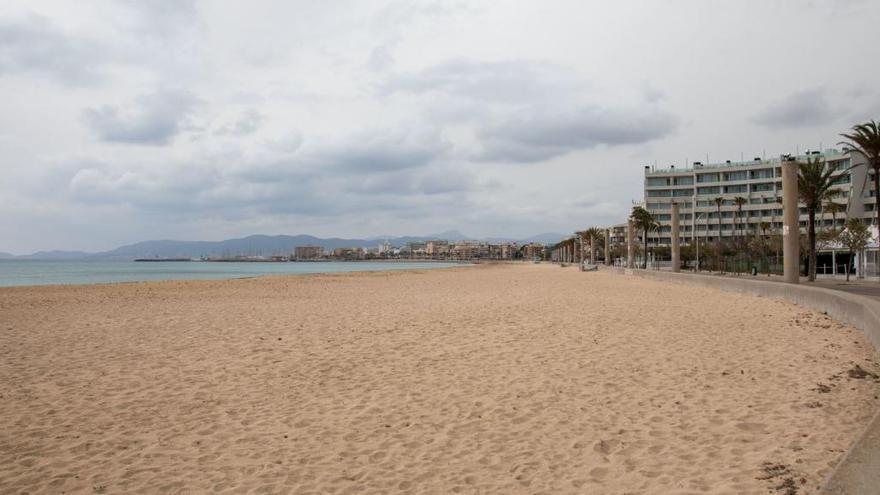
pixel 27 272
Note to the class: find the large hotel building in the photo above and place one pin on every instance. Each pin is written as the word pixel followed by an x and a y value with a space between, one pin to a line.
pixel 759 184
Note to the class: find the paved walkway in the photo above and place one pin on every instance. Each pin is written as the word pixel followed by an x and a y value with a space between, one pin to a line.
pixel 863 287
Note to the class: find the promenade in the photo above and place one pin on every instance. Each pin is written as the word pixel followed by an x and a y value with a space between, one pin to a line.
pixel 863 287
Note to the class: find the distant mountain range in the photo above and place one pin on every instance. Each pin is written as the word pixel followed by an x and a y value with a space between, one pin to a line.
pixel 254 245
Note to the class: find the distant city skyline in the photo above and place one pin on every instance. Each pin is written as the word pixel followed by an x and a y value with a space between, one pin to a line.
pixel 128 121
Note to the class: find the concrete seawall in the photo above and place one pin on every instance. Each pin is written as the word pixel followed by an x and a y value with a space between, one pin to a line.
pixel 859 471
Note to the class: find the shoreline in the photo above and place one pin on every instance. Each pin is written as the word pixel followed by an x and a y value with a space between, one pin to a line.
pixel 245 276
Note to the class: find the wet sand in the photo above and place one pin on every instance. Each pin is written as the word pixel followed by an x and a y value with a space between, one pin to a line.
pixel 488 379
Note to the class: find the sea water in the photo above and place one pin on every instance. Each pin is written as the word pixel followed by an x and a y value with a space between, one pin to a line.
pixel 34 272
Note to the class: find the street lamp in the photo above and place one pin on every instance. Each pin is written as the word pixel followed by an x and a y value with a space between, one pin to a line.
pixel 697 238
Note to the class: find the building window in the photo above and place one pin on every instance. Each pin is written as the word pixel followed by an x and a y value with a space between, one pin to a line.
pixel 736 189
pixel 656 181
pixel 843 179
pixel 679 193
pixel 742 175
pixel 765 173
pixel 662 193
pixel 840 165
pixel 708 190
pixel 767 186
pixel 683 181
pixel 708 178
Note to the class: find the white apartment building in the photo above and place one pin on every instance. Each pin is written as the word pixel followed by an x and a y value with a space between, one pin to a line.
pixel 759 184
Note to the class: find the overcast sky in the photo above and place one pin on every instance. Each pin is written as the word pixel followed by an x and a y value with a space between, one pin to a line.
pixel 134 120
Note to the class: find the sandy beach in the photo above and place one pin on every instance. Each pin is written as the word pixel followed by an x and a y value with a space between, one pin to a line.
pixel 487 379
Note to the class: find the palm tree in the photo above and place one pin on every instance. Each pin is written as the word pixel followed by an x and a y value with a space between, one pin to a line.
pixel 740 201
pixel 595 234
pixel 814 188
pixel 579 244
pixel 834 208
pixel 643 220
pixel 865 139
pixel 718 202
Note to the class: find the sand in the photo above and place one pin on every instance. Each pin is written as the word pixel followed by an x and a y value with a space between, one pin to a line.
pixel 490 379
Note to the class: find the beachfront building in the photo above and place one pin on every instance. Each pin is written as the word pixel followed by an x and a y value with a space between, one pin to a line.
pixel 466 250
pixel 437 249
pixel 618 234
pixel 724 200
pixel 508 250
pixel 532 251
pixel 308 252
pixel 384 249
pixel 349 253
pixel 416 250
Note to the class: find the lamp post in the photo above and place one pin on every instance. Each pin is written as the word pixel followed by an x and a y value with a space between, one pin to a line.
pixel 697 239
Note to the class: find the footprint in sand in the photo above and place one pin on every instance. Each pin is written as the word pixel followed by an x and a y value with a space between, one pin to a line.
pixel 751 427
pixel 605 447
pixel 599 473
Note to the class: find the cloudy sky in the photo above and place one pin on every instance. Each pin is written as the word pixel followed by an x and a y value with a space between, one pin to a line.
pixel 124 121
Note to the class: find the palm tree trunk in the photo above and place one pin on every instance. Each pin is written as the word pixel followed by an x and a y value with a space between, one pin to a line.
pixel 849 264
pixel 718 244
pixel 877 201
pixel 645 254
pixel 812 239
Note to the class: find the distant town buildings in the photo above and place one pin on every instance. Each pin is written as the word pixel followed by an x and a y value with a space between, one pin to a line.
pixel 437 248
pixel 303 253
pixel 434 250
pixel 532 250
pixel 349 254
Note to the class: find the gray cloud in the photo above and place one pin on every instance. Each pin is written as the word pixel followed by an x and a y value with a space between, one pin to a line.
pixel 361 173
pixel 380 59
pixel 161 18
pixel 529 111
pixel 541 134
pixel 36 45
pixel 191 192
pixel 418 182
pixel 153 119
pixel 801 109
pixel 506 81
pixel 382 151
pixel 247 123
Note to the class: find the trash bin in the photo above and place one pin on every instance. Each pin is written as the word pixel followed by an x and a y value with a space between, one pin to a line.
pixel 754 270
